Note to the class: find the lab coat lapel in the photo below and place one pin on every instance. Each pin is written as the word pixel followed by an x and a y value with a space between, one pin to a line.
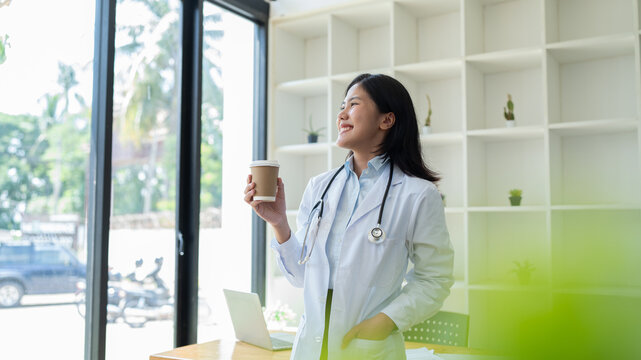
pixel 375 197
pixel 331 206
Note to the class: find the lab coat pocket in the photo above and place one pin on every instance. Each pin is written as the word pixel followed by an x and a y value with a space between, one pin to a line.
pixel 387 349
pixel 390 258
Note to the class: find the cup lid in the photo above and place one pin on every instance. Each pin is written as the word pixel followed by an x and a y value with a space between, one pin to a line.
pixel 264 163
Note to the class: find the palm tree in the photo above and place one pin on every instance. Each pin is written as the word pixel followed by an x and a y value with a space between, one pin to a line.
pixel 146 91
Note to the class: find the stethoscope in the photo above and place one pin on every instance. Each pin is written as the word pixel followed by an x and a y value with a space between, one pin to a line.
pixel 375 236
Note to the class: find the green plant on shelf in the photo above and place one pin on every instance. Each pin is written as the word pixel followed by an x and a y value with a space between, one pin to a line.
pixel 515 197
pixel 523 271
pixel 312 134
pixel 428 119
pixel 508 112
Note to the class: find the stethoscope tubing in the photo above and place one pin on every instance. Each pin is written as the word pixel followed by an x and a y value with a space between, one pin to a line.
pixel 375 236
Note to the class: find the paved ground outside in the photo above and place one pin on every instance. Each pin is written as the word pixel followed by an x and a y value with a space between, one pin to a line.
pixel 49 327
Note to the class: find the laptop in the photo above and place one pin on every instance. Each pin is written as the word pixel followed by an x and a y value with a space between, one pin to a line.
pixel 249 323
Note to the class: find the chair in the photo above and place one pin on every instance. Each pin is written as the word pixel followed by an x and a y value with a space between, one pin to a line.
pixel 444 328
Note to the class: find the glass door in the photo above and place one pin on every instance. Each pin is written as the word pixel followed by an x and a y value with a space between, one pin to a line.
pixel 143 185
pixel 226 151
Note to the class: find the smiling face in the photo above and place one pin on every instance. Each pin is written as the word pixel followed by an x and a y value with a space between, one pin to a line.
pixel 361 127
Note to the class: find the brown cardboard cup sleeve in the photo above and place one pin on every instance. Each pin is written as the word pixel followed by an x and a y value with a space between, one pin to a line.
pixel 265 175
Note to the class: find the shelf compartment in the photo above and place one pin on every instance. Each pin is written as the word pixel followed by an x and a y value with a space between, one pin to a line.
pixel 455 226
pixel 632 292
pixel 590 80
pixel 594 126
pixel 596 207
pixel 291 114
pixel 304 87
pixel 450 138
pixel 456 301
pixel 596 249
pixel 493 25
pixel 486 94
pixel 447 160
pixel 494 168
pixel 595 169
pixel 506 209
pixel 445 95
pixel 500 287
pixel 502 134
pixel 305 43
pixel 507 60
pixel 498 239
pixel 348 77
pixel 432 70
pixel 361 38
pixel 578 19
pixel 497 318
pixel 592 48
pixel 304 149
pixel 296 171
pixel 426 30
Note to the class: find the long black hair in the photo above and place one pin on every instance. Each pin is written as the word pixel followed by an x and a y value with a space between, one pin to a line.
pixel 402 144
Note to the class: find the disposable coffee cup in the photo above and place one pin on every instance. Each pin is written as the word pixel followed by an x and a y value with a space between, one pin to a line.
pixel 265 175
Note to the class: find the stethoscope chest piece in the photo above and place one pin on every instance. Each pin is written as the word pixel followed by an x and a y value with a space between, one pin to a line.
pixel 376 235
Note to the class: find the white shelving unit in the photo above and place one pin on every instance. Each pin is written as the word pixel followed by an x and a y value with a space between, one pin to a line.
pixel 573 69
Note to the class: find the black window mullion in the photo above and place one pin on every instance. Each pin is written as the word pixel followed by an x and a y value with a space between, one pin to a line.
pixel 188 175
pixel 98 210
pixel 259 152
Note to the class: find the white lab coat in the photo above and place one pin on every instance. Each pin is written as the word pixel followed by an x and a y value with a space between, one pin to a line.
pixel 370 276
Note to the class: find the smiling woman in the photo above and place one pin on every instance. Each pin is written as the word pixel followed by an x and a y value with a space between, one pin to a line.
pixel 355 307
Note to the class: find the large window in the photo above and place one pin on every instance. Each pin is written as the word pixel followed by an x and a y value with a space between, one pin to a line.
pixel 52 187
pixel 46 65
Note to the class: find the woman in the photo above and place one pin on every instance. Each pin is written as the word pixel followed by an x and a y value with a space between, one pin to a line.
pixel 355 305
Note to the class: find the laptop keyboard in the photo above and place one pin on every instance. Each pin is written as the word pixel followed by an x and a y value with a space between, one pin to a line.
pixel 280 344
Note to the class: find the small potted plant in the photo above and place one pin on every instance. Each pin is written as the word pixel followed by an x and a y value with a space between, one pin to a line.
pixel 515 197
pixel 508 112
pixel 278 316
pixel 523 271
pixel 312 135
pixel 428 120
pixel 4 44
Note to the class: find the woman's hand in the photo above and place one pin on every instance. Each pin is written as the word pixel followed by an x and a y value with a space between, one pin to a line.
pixel 376 328
pixel 272 212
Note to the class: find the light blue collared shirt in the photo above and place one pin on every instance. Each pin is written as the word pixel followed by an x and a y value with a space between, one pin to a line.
pixel 353 194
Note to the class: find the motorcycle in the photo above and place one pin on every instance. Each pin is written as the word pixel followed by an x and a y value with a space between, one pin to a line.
pixel 147 298
pixel 140 298
pixel 116 297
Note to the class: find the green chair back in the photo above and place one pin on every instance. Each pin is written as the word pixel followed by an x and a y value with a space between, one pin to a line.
pixel 444 328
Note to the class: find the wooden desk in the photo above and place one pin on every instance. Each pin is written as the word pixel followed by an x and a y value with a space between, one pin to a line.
pixel 228 349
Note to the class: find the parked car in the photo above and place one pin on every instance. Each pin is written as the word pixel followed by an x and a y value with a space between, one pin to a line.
pixel 28 268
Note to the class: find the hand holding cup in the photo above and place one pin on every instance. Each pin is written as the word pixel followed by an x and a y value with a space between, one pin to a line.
pixel 265 192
